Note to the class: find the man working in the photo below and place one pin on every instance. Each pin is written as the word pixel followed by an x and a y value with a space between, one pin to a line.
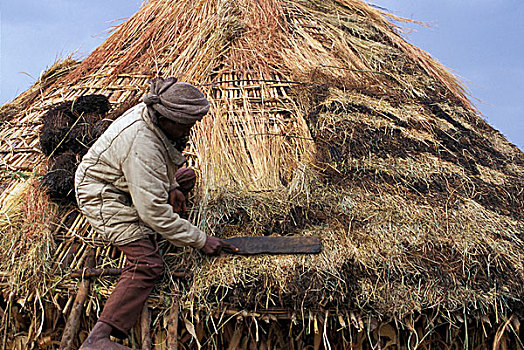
pixel 124 187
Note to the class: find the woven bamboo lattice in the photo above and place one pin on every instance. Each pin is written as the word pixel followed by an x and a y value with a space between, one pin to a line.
pixel 324 122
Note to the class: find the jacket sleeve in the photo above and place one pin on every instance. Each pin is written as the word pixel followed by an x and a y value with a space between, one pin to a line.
pixel 145 170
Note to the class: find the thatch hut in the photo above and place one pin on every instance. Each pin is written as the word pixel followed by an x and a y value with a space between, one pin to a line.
pixel 324 121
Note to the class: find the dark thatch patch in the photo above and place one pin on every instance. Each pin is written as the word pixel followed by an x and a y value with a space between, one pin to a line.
pixel 59 180
pixel 69 129
pixel 73 126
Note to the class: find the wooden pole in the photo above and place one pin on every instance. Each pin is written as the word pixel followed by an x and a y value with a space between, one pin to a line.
pixel 145 322
pixel 91 272
pixel 73 321
pixel 87 273
pixel 172 327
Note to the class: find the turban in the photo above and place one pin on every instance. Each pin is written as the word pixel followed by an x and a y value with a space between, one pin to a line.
pixel 180 102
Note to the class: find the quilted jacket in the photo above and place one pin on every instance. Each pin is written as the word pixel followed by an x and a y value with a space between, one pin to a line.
pixel 123 181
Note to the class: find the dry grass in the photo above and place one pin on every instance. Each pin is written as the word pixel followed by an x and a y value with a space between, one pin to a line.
pixel 27 245
pixel 27 249
pixel 326 122
pixel 300 39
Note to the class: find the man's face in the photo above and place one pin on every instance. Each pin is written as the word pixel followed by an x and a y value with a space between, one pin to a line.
pixel 174 131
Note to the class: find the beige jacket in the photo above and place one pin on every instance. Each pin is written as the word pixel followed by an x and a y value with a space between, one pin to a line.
pixel 123 181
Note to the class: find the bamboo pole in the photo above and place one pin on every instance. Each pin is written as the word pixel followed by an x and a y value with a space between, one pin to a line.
pixel 78 306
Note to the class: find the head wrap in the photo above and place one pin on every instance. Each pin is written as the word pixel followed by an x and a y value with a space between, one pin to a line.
pixel 180 102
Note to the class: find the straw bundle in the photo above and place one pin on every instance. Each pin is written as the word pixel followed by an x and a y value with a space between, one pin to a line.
pixel 323 122
pixel 26 248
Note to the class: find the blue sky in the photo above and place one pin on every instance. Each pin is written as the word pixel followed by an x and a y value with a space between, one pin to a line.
pixel 482 41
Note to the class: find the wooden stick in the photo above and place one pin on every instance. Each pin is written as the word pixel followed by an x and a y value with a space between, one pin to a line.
pixel 78 306
pixel 145 322
pixel 21 150
pixel 172 327
pixel 92 272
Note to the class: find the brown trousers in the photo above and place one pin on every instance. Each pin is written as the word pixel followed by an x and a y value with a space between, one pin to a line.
pixel 143 269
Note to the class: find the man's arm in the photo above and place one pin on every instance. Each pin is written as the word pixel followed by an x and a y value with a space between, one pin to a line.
pixel 145 170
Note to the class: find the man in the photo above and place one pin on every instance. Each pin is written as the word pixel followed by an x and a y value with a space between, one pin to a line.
pixel 124 187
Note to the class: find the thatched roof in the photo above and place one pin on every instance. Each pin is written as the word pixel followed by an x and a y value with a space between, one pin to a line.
pixel 324 121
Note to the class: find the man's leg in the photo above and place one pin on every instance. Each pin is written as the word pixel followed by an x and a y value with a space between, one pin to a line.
pixel 143 268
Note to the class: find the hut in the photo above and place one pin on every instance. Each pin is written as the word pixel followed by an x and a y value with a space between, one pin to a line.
pixel 324 122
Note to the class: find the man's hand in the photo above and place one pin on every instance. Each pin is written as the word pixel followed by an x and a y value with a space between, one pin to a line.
pixel 178 201
pixel 214 246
